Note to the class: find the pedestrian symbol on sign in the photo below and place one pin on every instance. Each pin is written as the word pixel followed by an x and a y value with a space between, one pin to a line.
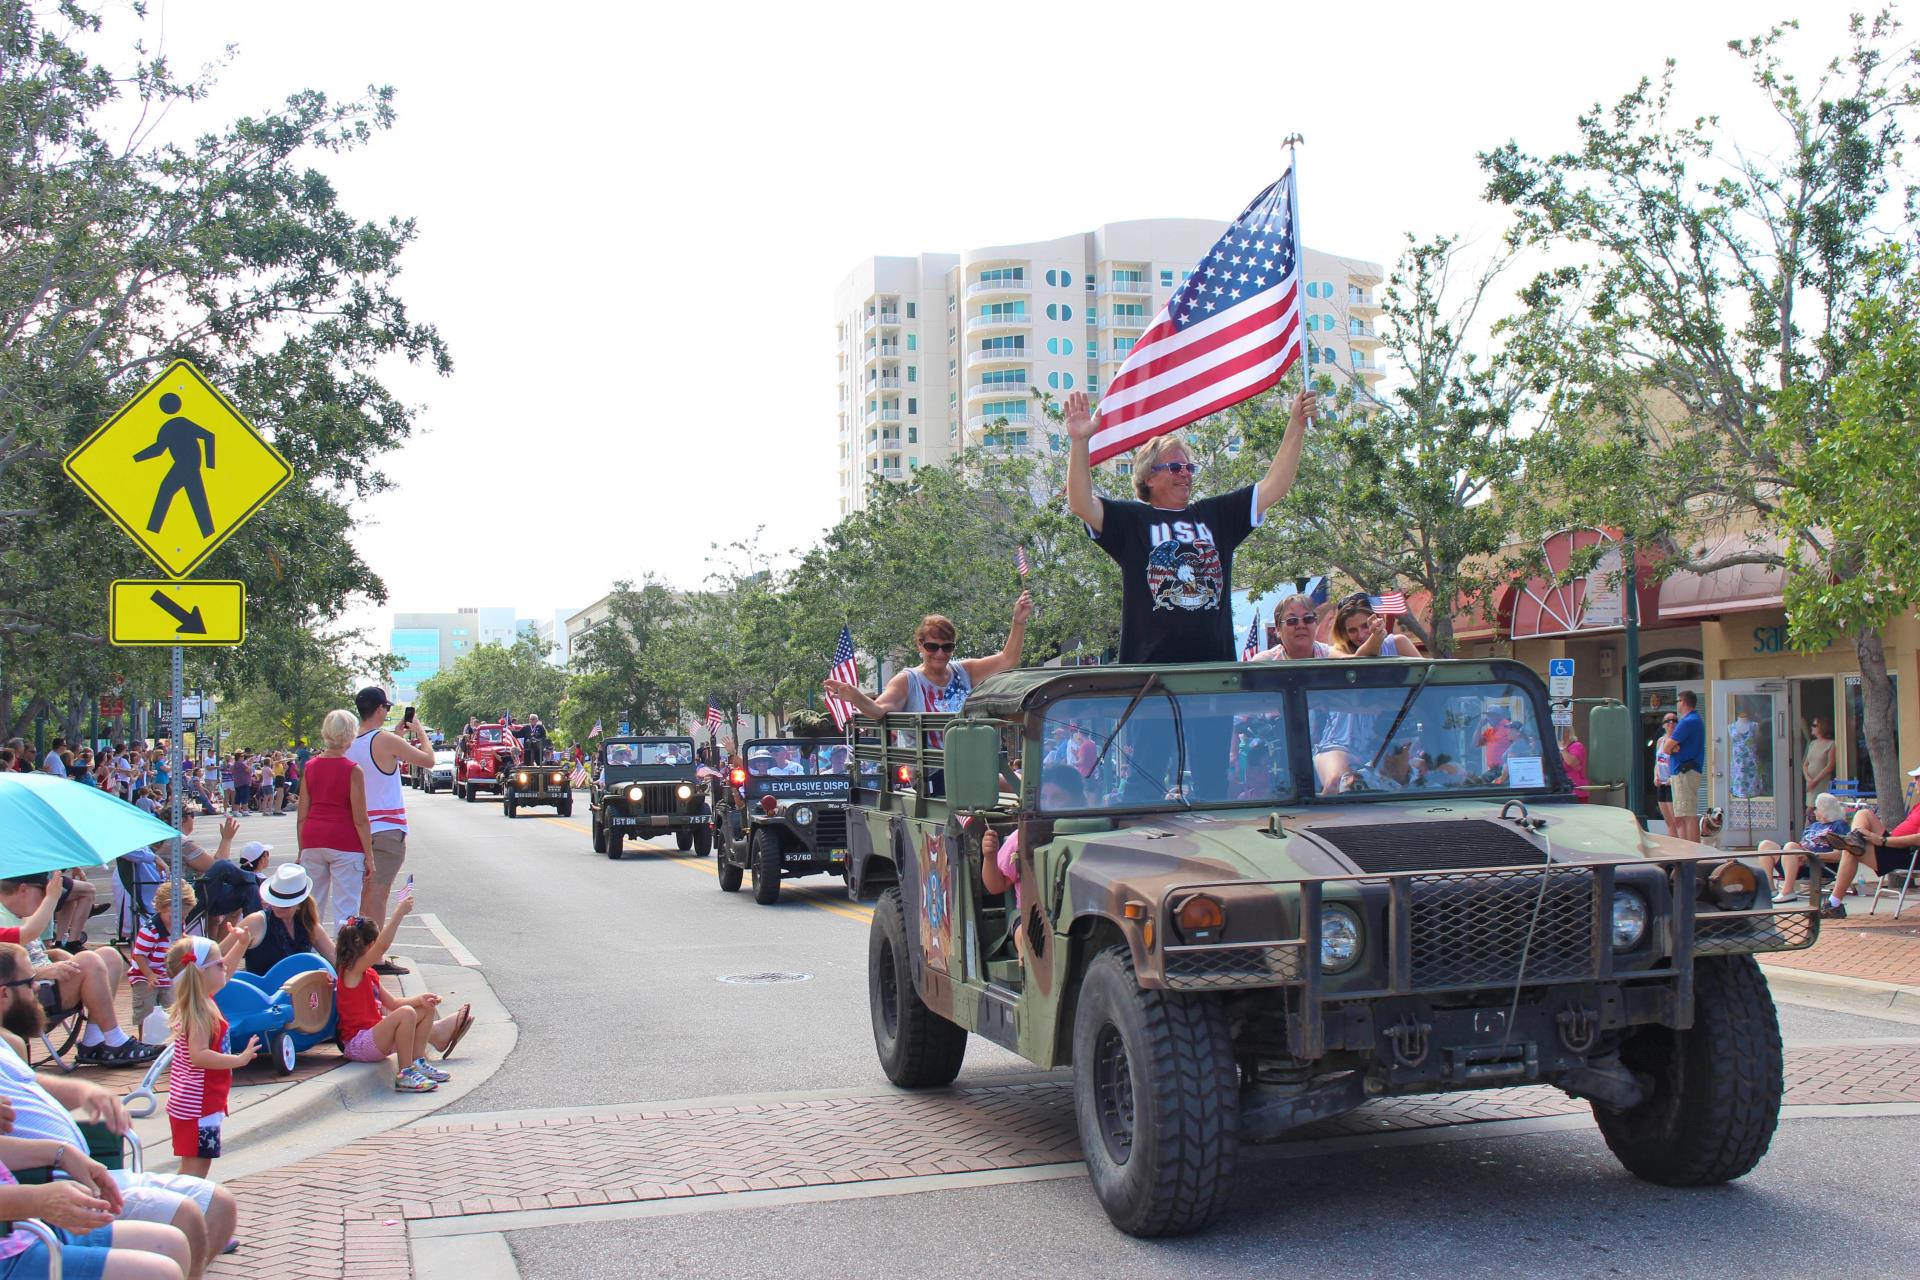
pixel 182 438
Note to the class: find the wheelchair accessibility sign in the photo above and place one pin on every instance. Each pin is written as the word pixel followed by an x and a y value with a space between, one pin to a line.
pixel 179 469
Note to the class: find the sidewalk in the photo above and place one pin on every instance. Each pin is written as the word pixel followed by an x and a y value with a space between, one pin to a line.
pixel 1877 948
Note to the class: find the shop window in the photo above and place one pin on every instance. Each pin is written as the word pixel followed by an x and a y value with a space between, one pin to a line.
pixel 1856 738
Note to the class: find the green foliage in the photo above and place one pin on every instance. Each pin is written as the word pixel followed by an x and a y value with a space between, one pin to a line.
pixel 491 681
pixel 232 251
pixel 624 668
pixel 312 673
pixel 1720 287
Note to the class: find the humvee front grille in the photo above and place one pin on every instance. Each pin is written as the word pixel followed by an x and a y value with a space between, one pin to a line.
pixel 1217 968
pixel 1474 928
pixel 1432 846
pixel 1740 934
pixel 830 828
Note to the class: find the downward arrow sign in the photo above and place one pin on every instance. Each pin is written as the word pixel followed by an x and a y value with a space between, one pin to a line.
pixel 191 623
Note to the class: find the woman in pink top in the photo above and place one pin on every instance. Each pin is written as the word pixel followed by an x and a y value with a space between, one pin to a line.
pixel 330 825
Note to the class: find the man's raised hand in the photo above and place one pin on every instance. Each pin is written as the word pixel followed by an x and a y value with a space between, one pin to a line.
pixel 1023 607
pixel 1079 416
pixel 1303 407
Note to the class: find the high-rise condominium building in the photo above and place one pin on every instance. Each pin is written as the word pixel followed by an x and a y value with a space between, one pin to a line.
pixel 943 352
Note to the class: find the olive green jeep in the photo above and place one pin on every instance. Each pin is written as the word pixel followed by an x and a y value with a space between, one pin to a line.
pixel 1255 896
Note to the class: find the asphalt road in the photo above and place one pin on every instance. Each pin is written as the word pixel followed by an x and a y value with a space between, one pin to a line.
pixel 613 972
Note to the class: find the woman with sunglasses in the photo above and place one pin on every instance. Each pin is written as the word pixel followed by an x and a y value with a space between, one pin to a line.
pixel 1295 618
pixel 1175 555
pixel 941 682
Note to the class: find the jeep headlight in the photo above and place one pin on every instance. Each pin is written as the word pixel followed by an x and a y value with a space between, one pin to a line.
pixel 1629 919
pixel 801 814
pixel 633 794
pixel 520 778
pixel 685 792
pixel 553 777
pixel 1339 939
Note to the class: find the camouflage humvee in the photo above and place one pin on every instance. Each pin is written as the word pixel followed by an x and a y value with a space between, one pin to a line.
pixel 1257 895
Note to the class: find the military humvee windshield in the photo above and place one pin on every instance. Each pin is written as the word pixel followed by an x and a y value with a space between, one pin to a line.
pixel 1427 737
pixel 1193 748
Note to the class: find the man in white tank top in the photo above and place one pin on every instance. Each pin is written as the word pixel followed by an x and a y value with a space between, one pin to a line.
pixel 381 755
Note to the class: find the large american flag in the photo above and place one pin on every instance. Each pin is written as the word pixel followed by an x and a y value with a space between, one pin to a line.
pixel 845 671
pixel 1228 333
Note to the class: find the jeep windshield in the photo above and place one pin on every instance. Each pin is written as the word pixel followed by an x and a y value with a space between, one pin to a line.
pixel 649 754
pixel 489 737
pixel 796 759
pixel 1426 737
pixel 1158 750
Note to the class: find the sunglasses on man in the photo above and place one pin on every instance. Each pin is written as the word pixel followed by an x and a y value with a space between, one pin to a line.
pixel 1178 468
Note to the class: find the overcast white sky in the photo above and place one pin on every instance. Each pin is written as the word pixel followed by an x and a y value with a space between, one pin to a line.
pixel 633 216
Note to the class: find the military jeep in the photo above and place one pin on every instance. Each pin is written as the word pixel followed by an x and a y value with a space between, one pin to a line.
pixel 1285 889
pixel 547 782
pixel 790 818
pixel 648 785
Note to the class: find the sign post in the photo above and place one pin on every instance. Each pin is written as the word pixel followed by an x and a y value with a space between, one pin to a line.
pixel 179 470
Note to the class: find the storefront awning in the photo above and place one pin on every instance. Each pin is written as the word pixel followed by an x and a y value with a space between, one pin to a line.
pixel 1734 589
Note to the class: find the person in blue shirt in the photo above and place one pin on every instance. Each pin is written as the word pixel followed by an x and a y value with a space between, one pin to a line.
pixel 1688 746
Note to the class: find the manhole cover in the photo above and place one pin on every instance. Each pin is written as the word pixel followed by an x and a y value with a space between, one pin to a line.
pixel 764 979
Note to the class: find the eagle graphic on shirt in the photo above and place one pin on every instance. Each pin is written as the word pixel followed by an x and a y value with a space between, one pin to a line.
pixel 1183 569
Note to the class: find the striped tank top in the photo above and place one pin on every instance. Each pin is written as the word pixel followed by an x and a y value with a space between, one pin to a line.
pixel 386 806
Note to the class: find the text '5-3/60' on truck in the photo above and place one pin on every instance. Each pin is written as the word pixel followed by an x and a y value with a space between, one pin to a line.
pixel 785 814
pixel 1268 893
pixel 645 786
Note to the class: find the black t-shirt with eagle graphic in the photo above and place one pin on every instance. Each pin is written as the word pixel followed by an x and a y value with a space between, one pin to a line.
pixel 1176 573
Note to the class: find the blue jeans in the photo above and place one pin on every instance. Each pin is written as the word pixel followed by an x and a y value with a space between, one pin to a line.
pixel 82 1257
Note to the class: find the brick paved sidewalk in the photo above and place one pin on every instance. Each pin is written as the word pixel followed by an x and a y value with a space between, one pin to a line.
pixel 1878 948
pixel 346 1213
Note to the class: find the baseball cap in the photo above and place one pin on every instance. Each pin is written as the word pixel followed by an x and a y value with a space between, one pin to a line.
pixel 253 850
pixel 371 699
pixel 1914 772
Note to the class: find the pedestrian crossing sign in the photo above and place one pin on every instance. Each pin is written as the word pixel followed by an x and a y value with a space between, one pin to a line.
pixel 179 469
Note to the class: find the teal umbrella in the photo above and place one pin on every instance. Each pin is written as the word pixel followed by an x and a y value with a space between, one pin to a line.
pixel 49 823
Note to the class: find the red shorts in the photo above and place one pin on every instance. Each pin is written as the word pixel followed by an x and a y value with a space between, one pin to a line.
pixel 196 1139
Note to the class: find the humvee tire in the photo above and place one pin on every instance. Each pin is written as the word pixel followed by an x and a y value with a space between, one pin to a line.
pixel 919 1049
pixel 1156 1094
pixel 1716 1088
pixel 702 841
pixel 767 864
pixel 615 839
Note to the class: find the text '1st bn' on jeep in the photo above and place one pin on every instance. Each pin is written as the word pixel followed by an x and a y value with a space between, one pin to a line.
pixel 1266 894
pixel 647 786
pixel 786 814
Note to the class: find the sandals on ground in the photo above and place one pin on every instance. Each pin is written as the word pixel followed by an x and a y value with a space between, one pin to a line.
pixel 459 1030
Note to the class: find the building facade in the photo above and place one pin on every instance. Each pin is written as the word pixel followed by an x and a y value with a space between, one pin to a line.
pixel 943 352
pixel 429 643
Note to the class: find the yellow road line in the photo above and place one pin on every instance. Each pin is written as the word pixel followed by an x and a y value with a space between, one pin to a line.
pixel 848 909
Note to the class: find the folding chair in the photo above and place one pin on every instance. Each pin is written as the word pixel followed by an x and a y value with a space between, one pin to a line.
pixel 1907 875
pixel 35 1227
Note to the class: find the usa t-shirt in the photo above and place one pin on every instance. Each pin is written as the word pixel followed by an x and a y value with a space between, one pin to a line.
pixel 1176 572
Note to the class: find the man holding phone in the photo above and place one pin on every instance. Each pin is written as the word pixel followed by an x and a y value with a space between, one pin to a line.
pixel 381 755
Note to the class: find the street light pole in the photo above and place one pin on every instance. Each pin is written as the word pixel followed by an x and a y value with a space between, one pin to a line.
pixel 1630 678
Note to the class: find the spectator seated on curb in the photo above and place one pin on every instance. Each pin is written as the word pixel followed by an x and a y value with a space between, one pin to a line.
pixel 287 923
pixel 373 1025
pixel 1883 850
pixel 1825 838
pixel 90 980
pixel 203 1212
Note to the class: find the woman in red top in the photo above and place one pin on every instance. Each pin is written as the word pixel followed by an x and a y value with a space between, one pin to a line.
pixel 372 1025
pixel 330 823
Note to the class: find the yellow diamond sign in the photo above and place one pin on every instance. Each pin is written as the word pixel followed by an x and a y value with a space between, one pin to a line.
pixel 158 611
pixel 178 469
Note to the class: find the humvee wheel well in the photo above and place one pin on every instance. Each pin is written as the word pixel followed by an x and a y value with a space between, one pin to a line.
pixel 1087 937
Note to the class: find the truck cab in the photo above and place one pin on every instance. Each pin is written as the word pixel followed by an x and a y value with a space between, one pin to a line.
pixel 479 759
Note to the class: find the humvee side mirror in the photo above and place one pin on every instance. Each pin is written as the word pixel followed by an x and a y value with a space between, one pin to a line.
pixel 1609 744
pixel 973 766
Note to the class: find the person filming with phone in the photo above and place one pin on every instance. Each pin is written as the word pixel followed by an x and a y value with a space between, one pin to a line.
pixel 381 755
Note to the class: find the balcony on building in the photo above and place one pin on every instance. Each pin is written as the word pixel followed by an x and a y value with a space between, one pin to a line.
pixel 1125 287
pixel 980 288
pixel 888 415
pixel 980 422
pixel 1362 337
pixel 999 355
pixel 1125 321
pixel 888 383
pixel 1361 304
pixel 989 390
pixel 1003 320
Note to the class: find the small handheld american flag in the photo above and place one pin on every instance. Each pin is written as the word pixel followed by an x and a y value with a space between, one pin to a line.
pixel 1388 605
pixel 1253 636
pixel 1229 332
pixel 1020 560
pixel 714 718
pixel 846 671
pixel 595 731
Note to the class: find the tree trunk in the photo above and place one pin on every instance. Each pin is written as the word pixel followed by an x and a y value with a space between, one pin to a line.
pixel 1883 749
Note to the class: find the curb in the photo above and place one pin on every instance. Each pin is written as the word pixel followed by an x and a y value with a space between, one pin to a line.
pixel 357 1100
pixel 1863 995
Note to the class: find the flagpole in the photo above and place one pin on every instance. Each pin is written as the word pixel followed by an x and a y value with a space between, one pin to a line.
pixel 1293 142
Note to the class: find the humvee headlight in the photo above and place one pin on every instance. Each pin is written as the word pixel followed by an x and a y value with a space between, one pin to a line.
pixel 802 815
pixel 1200 918
pixel 1629 919
pixel 685 792
pixel 1733 885
pixel 1339 939
pixel 633 794
pixel 520 778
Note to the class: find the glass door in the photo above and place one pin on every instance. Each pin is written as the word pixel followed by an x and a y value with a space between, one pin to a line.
pixel 1751 757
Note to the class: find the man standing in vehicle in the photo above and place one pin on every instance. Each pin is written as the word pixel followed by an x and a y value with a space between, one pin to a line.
pixel 1175 555
pixel 381 755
